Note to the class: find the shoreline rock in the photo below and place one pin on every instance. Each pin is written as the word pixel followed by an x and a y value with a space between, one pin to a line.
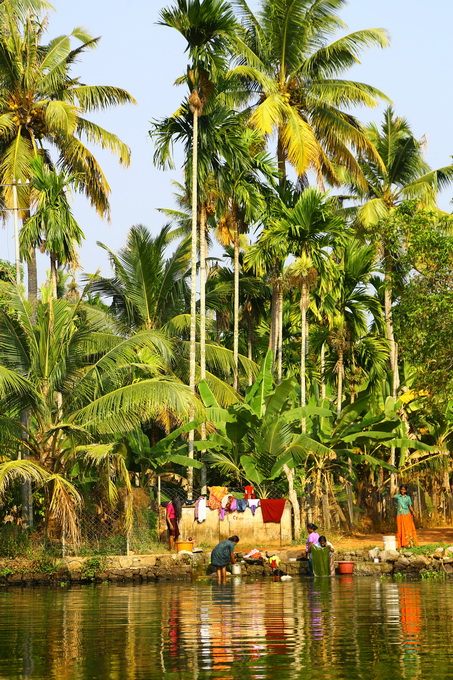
pixel 187 567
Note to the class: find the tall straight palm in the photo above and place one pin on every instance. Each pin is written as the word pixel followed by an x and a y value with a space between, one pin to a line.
pixel 296 77
pixel 401 174
pixel 353 306
pixel 209 28
pixel 309 229
pixel 43 107
pixel 243 203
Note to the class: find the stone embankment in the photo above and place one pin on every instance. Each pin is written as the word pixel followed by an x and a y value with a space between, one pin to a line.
pixel 185 566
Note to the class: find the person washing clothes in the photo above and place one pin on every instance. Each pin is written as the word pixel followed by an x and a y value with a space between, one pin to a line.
pixel 222 555
pixel 322 557
pixel 313 537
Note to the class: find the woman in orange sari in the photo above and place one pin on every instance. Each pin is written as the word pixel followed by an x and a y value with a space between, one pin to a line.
pixel 406 535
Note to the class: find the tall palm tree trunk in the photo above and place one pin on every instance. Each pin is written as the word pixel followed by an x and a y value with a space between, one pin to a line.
pixel 203 257
pixel 32 272
pixel 388 315
pixel 250 347
pixel 274 319
pixel 236 306
pixel 280 333
pixel 322 361
pixel 193 285
pixel 340 373
pixel 304 303
pixel 53 275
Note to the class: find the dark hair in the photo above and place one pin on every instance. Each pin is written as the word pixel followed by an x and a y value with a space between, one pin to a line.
pixel 312 526
pixel 178 508
pixel 234 539
pixel 323 539
pixel 403 486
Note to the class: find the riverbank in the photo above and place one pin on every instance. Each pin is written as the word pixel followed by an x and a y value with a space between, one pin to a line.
pixel 186 566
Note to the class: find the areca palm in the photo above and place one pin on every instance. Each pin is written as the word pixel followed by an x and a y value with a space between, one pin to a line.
pixel 43 107
pixel 208 26
pixel 243 203
pixel 309 229
pixel 402 174
pixel 353 306
pixel 298 77
pixel 53 226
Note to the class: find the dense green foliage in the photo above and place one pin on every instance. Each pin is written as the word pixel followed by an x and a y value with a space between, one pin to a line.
pixel 314 362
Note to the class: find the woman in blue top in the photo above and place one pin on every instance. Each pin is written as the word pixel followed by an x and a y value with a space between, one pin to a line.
pixel 406 535
pixel 222 555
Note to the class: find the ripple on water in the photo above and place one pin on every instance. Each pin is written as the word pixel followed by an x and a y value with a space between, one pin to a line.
pixel 328 629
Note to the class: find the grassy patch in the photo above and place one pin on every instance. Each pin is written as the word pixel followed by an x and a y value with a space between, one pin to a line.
pixel 425 549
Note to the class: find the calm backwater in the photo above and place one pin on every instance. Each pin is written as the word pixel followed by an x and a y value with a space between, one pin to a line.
pixel 341 628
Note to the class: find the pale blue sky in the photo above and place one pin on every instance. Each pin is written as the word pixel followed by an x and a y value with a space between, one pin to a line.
pixel 145 59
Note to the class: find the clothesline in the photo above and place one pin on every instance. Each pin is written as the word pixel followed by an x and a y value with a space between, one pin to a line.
pixel 222 500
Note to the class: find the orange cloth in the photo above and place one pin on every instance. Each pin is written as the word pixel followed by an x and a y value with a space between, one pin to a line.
pixel 406 534
pixel 216 493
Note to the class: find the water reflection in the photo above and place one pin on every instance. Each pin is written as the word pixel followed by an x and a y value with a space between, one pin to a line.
pixel 327 628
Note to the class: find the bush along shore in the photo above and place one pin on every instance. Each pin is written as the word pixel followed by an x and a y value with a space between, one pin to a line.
pixel 437 563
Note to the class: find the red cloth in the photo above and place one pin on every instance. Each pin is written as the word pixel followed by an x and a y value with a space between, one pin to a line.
pixel 272 509
pixel 249 492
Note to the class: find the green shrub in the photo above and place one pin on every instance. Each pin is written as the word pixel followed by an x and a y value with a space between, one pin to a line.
pixel 92 567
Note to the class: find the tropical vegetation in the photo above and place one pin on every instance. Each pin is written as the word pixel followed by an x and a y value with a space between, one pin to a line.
pixel 313 360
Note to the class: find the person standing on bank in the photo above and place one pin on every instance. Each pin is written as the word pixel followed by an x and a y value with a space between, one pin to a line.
pixel 406 535
pixel 222 556
pixel 173 514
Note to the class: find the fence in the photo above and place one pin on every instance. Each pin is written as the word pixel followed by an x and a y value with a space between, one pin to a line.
pixel 102 532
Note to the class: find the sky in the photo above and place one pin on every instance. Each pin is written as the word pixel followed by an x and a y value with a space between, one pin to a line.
pixel 145 59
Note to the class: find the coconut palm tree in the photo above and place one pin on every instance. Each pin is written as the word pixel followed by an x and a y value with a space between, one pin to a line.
pixel 298 91
pixel 146 289
pixel 84 386
pixel 43 108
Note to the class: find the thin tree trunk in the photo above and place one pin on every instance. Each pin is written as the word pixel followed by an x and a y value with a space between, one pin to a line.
pixel 32 277
pixel 193 295
pixel 281 159
pixel 250 347
pixel 53 275
pixel 340 380
pixel 322 370
pixel 203 256
pixel 304 302
pixel 236 306
pixel 280 334
pixel 274 318
pixel 292 495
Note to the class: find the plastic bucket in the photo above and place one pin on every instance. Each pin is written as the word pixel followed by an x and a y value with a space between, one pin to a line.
pixel 345 567
pixel 184 545
pixel 389 542
pixel 236 569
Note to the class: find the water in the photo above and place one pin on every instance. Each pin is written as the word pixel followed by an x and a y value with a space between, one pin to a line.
pixel 341 628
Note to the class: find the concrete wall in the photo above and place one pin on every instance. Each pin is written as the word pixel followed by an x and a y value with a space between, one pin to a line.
pixel 250 528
